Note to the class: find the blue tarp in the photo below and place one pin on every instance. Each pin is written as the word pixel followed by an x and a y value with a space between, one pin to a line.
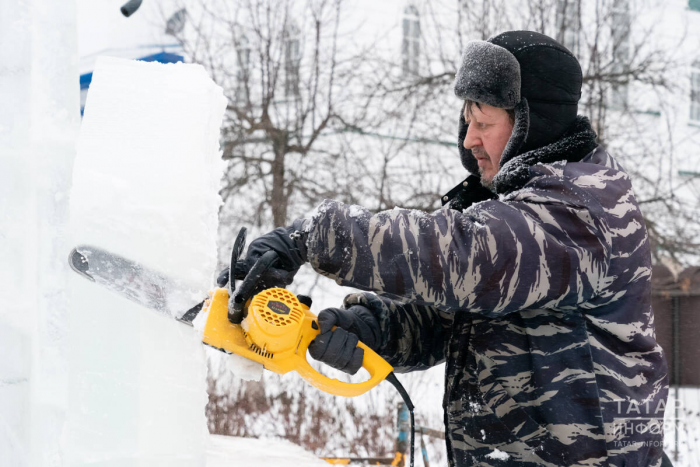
pixel 162 57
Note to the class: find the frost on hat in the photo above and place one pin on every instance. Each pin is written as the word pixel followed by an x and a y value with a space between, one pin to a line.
pixel 526 71
pixel 489 74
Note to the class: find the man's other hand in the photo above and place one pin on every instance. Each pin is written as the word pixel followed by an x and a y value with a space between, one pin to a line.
pixel 338 347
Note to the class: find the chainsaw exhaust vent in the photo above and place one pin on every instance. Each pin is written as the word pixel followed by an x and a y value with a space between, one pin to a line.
pixel 260 351
pixel 256 349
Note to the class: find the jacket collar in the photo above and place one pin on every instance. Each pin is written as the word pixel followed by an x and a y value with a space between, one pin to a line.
pixel 468 192
pixel 576 143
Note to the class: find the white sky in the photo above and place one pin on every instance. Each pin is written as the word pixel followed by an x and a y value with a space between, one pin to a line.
pixel 103 30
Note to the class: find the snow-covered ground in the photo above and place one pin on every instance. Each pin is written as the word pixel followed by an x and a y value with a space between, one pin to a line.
pixel 682 427
pixel 225 451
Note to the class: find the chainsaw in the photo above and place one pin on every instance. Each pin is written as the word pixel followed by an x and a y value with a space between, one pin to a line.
pixel 276 326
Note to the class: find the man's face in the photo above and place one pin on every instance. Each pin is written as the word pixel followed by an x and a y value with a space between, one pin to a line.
pixel 489 131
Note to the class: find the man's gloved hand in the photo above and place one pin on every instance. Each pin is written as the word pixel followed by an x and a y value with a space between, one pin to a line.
pixel 290 245
pixel 338 348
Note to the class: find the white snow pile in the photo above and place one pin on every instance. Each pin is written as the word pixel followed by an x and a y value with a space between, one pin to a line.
pixel 225 451
pixel 146 183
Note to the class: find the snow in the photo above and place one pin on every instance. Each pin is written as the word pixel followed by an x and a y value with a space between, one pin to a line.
pixel 498 454
pixel 488 73
pixel 356 211
pixel 145 187
pixel 251 452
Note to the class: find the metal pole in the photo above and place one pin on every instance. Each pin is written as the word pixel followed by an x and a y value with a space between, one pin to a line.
pixel 676 370
pixel 403 427
pixel 424 452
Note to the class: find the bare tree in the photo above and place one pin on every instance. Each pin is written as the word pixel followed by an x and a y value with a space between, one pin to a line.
pixel 311 118
pixel 289 84
pixel 628 86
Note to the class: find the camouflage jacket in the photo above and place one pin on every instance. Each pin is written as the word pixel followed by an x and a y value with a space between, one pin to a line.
pixel 539 303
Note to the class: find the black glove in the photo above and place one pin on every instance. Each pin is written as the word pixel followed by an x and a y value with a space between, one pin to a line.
pixel 290 245
pixel 239 273
pixel 338 348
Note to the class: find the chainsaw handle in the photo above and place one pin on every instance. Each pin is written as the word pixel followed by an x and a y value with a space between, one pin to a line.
pixel 238 300
pixel 376 366
pixel 236 251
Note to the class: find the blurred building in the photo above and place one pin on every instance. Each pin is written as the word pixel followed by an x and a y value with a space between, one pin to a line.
pixel 676 305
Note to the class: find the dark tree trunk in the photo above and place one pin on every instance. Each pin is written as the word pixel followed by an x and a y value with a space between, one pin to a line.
pixel 278 198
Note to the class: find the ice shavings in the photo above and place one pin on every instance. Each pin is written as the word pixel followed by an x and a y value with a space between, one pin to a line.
pixel 141 285
pixel 238 367
pixel 243 368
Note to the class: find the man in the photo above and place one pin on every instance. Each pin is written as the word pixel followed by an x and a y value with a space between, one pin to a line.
pixel 532 283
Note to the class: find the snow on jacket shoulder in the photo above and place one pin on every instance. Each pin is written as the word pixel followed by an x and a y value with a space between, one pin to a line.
pixel 539 302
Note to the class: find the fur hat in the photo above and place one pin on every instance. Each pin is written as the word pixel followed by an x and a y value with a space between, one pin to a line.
pixel 528 72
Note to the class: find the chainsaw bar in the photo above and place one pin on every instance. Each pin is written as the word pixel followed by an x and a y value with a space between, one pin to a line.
pixel 132 280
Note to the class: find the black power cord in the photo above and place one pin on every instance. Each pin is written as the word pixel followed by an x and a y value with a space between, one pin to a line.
pixel 391 377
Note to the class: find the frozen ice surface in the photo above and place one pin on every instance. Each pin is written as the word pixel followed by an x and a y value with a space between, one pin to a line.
pixel 148 168
pixel 146 182
pixel 39 119
pixel 225 451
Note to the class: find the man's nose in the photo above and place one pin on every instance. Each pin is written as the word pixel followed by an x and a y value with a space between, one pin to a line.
pixel 472 139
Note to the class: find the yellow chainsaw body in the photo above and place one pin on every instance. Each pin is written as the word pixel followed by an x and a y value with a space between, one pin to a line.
pixel 277 332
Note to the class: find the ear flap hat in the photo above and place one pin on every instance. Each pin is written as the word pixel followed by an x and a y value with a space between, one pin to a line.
pixel 528 72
